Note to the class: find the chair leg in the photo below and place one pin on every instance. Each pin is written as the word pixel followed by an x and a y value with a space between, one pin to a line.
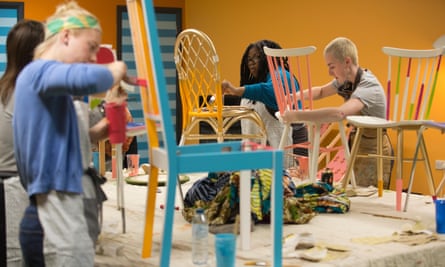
pixel 380 161
pixel 441 184
pixel 426 161
pixel 181 194
pixel 413 168
pixel 102 157
pixel 182 141
pixel 245 209
pixel 399 169
pixel 264 134
pixel 120 185
pixel 310 150
pixel 313 159
pixel 286 130
pixel 150 212
pixel 420 145
pixel 277 210
pixel 168 218
pixel 399 156
pixel 344 141
pixel 352 157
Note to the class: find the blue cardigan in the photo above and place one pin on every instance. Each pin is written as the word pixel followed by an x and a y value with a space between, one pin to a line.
pixel 264 91
pixel 46 139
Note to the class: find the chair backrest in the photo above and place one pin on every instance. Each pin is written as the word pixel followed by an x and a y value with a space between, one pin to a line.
pixel 411 83
pixel 155 102
pixel 296 61
pixel 197 65
pixel 149 66
pixel 289 97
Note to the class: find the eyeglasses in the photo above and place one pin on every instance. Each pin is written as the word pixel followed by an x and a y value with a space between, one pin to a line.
pixel 254 59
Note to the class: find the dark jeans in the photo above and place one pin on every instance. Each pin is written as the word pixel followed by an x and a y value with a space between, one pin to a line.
pixel 31 238
pixel 3 249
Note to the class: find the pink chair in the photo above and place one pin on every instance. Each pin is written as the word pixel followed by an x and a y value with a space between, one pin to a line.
pixel 289 97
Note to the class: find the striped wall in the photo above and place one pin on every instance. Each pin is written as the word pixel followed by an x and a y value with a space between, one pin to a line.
pixel 10 13
pixel 168 21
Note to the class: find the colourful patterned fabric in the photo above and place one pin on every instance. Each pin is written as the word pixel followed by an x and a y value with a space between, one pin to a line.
pixel 225 206
pixel 323 198
pixel 74 22
pixel 206 188
pixel 301 203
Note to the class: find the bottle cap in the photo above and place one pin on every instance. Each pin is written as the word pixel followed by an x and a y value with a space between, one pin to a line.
pixel 199 210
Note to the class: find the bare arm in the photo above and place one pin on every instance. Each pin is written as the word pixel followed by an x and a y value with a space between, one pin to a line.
pixel 99 131
pixel 328 114
pixel 319 92
pixel 229 89
pixel 118 70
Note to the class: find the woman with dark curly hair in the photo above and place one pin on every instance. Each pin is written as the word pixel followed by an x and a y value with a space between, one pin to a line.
pixel 257 91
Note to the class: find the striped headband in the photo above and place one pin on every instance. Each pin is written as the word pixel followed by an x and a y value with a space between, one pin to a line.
pixel 73 22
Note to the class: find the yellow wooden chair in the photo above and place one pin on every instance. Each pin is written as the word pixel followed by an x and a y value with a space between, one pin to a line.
pixel 198 68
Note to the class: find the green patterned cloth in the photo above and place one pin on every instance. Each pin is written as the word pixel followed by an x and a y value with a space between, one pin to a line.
pixel 323 198
pixel 300 205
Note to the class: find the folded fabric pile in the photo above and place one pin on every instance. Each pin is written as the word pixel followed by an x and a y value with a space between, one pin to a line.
pixel 218 194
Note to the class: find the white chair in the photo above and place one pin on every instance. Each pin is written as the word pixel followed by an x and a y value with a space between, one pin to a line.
pixel 408 108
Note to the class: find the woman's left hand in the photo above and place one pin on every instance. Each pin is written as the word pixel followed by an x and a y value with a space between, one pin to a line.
pixel 229 89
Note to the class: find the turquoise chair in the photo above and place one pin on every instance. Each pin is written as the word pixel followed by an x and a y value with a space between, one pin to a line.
pixel 176 160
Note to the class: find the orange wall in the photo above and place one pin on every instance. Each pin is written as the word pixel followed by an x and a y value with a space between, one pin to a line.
pixel 105 10
pixel 232 24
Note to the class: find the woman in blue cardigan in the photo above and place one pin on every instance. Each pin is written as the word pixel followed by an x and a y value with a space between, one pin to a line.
pixel 257 91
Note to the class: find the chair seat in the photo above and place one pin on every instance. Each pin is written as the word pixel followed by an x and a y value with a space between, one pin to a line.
pixel 437 125
pixel 375 122
pixel 370 122
pixel 236 110
pixel 230 115
pixel 412 123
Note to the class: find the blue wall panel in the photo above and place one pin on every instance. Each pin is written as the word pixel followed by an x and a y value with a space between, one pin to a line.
pixel 167 30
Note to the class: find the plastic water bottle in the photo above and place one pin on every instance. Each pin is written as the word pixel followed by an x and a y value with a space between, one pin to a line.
pixel 200 238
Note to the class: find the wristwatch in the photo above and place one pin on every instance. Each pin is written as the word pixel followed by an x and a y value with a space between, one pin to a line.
pixel 101 108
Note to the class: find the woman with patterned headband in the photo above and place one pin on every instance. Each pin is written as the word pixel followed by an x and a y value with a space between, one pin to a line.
pixel 46 135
